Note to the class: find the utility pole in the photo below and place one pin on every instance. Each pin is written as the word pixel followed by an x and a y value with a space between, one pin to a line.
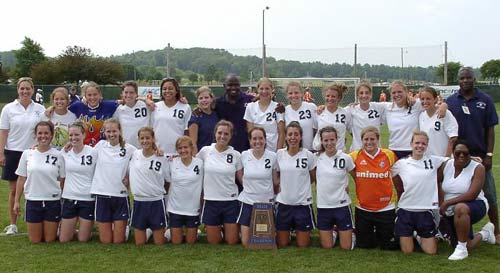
pixel 264 72
pixel 355 60
pixel 168 61
pixel 445 74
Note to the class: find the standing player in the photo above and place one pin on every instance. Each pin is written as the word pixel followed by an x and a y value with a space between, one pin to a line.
pixel 148 173
pixel 61 118
pixel 375 212
pixel 333 115
pixel 110 184
pixel 258 173
pixel 443 131
pixel 17 121
pixel 302 112
pixel 333 201
pixel 295 173
pixel 134 113
pixel 170 118
pixel 201 127
pixel 186 182
pixel 78 203
pixel 415 178
pixel 40 171
pixel 221 164
pixel 364 114
pixel 262 113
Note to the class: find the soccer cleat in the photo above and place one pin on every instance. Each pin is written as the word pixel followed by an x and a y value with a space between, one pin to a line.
pixel 459 254
pixel 10 229
pixel 488 233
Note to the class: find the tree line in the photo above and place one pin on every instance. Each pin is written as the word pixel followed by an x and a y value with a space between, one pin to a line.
pixel 199 66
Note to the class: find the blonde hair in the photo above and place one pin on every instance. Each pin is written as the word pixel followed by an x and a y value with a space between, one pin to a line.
pixel 419 133
pixel 79 125
pixel 120 137
pixel 202 89
pixel 370 129
pixel 405 88
pixel 150 131
pixel 91 84
pixel 264 80
pixel 293 84
pixel 224 122
pixel 25 79
pixel 341 88
pixel 184 139
pixel 365 84
pixel 61 90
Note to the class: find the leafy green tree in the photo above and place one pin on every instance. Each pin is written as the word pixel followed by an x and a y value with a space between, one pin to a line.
pixel 453 68
pixel 210 73
pixel 193 77
pixel 30 54
pixel 491 69
pixel 46 72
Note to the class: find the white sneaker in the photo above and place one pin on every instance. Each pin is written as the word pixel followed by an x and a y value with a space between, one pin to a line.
pixel 417 238
pixel 149 233
pixel 488 233
pixel 167 235
pixel 334 237
pixel 459 254
pixel 353 237
pixel 10 229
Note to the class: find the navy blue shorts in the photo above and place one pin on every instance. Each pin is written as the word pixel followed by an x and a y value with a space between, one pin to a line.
pixel 12 159
pixel 300 217
pixel 341 217
pixel 149 214
pixel 39 211
pixel 111 208
pixel 81 209
pixel 245 215
pixel 179 221
pixel 408 221
pixel 402 154
pixel 216 213
pixel 477 212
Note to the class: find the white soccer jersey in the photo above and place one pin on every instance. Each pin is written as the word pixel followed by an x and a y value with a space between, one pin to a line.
pixel 340 120
pixel 147 176
pixel 132 119
pixel 169 123
pixel 111 168
pixel 268 120
pixel 307 117
pixel 295 182
pixel 61 128
pixel 361 119
pixel 439 131
pixel 332 180
pixel 186 182
pixel 79 171
pixel 402 122
pixel 21 123
pixel 419 178
pixel 42 171
pixel 454 186
pixel 220 168
pixel 257 177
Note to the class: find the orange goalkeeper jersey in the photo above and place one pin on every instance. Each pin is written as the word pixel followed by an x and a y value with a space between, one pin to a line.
pixel 373 179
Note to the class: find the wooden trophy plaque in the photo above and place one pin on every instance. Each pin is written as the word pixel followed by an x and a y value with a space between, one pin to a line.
pixel 262 229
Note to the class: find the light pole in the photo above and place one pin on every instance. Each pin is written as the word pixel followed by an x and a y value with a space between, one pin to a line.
pixel 264 74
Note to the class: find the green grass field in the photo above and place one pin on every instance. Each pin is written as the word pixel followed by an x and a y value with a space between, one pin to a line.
pixel 18 255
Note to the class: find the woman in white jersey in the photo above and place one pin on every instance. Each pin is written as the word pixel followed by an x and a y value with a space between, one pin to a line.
pixel 17 121
pixel 364 114
pixel 186 182
pixel 134 114
pixel 110 182
pixel 220 192
pixel 302 112
pixel 402 116
pixel 147 174
pixel 334 115
pixel 415 179
pixel 332 182
pixel 462 202
pixel 295 173
pixel 40 171
pixel 170 118
pixel 61 118
pixel 258 173
pixel 262 113
pixel 78 203
pixel 443 131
